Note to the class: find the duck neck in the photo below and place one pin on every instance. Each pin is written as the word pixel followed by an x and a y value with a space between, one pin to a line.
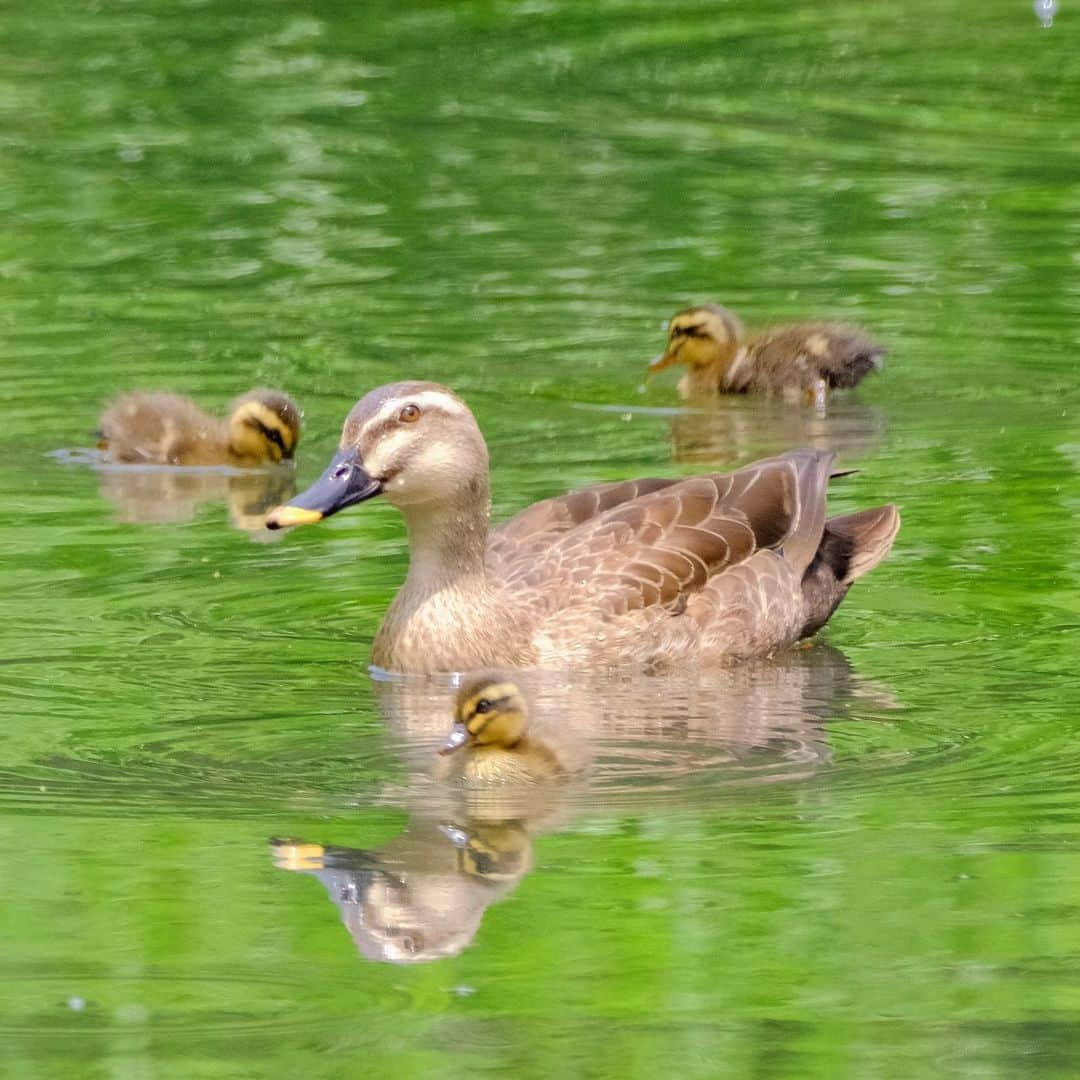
pixel 447 545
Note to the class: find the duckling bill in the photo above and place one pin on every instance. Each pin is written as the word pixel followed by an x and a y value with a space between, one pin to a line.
pixel 160 428
pixel 805 358
pixel 659 572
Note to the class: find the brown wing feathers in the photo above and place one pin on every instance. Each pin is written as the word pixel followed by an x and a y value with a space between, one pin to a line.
pixel 669 542
pixel 703 541
pixel 812 471
pixel 534 528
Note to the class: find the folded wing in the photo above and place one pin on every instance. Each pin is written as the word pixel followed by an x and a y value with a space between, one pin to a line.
pixel 662 546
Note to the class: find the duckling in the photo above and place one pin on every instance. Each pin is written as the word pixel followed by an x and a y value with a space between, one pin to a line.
pixel 658 572
pixel 153 427
pixel 806 358
pixel 494 743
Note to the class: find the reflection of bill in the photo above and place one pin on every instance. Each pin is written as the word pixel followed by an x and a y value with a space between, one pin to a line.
pixel 167 495
pixel 421 896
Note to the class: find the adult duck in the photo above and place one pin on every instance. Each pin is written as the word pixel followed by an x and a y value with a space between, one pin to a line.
pixel 674 571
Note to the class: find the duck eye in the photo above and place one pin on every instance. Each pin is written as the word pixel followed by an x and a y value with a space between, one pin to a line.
pixel 410 414
pixel 482 706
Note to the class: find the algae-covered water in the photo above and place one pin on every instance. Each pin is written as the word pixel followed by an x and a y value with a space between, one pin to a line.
pixel 859 861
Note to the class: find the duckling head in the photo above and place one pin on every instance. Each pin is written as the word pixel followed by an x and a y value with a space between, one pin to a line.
pixel 416 443
pixel 490 711
pixel 700 337
pixel 264 425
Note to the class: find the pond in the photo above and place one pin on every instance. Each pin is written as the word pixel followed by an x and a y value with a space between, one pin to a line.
pixel 861 859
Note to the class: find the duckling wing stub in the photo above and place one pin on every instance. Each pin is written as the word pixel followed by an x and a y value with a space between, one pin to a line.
pixel 533 529
pixel 796 356
pixel 669 543
pixel 154 427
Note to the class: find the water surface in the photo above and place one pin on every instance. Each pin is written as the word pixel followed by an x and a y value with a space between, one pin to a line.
pixel 861 861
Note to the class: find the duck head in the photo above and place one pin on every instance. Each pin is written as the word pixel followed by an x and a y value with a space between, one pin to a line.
pixel 414 443
pixel 700 337
pixel 490 711
pixel 264 426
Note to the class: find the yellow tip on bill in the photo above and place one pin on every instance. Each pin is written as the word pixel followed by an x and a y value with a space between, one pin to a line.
pixel 297 855
pixel 284 516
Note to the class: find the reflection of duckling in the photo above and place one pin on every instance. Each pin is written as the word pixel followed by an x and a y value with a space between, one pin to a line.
pixel 491 742
pixel 737 429
pixel 808 358
pixel 168 496
pixel 496 851
pixel 422 895
pixel 159 428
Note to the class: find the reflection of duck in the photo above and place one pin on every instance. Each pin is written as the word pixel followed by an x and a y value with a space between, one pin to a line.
pixel 806 358
pixel 422 895
pixel 158 428
pixel 166 496
pixel 658 742
pixel 492 741
pixel 660 572
pixel 759 722
pixel 737 429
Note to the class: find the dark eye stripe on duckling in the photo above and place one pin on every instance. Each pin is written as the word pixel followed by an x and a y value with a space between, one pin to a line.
pixel 689 331
pixel 498 705
pixel 698 330
pixel 499 697
pixel 273 434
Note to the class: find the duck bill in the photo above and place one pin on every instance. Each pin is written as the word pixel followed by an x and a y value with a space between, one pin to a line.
pixel 344 483
pixel 458 737
pixel 658 363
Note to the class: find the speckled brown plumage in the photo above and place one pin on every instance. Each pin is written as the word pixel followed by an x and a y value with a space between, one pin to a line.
pixel 659 572
pixel 706 569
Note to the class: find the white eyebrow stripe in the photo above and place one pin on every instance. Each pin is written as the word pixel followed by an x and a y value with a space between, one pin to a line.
pixel 426 399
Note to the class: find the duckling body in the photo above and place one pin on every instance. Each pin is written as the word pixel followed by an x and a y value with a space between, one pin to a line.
pixel 160 428
pixel 527 762
pixel 805 359
pixel 493 742
pixel 660 572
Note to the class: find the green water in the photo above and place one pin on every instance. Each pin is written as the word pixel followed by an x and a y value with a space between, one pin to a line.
pixel 861 862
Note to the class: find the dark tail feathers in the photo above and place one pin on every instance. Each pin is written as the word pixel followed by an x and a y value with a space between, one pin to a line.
pixel 850 546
